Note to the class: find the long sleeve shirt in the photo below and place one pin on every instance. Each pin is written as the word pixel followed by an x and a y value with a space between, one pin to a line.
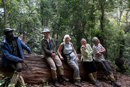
pixel 86 53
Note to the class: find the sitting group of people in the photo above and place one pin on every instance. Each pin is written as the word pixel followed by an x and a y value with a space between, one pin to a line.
pixel 13 57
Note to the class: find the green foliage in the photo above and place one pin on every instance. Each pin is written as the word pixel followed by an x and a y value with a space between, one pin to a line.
pixel 79 19
pixel 45 82
pixel 4 81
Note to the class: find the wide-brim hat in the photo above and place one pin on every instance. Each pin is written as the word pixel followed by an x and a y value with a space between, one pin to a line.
pixel 7 30
pixel 46 30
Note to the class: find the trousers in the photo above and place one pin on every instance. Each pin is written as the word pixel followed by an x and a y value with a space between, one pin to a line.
pixel 74 65
pixel 15 66
pixel 103 65
pixel 54 62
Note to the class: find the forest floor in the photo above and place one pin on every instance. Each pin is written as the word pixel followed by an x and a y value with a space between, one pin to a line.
pixel 124 80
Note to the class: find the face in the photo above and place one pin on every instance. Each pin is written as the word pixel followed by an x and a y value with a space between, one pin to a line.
pixel 83 42
pixel 9 35
pixel 67 40
pixel 98 41
pixel 47 34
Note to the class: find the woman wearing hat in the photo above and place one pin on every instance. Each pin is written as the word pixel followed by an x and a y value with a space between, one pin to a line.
pixel 71 58
pixel 49 50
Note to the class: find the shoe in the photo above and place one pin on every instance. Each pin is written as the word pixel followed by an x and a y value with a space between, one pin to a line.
pixel 64 78
pixel 56 84
pixel 96 83
pixel 76 83
pixel 79 84
pixel 114 83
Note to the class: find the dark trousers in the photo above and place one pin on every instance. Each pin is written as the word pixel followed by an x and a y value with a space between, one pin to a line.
pixel 103 65
pixel 90 67
pixel 15 66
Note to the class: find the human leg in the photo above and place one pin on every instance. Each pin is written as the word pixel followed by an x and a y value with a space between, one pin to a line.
pixel 16 75
pixel 76 77
pixel 94 70
pixel 21 81
pixel 60 68
pixel 53 70
pixel 108 72
pixel 89 66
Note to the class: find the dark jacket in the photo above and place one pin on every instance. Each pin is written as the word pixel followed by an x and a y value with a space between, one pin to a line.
pixel 7 51
pixel 46 48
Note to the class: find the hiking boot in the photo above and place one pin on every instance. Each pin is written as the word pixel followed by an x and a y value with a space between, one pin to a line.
pixel 56 84
pixel 96 83
pixel 114 83
pixel 76 83
pixel 64 78
pixel 79 84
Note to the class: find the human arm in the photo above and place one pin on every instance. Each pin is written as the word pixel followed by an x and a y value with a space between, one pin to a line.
pixel 58 51
pixel 83 52
pixel 44 47
pixel 7 54
pixel 24 46
pixel 103 50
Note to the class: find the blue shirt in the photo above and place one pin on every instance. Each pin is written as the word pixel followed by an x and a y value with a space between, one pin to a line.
pixel 50 45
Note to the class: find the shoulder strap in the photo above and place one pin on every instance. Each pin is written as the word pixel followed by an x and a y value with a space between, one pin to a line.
pixel 62 48
pixel 72 46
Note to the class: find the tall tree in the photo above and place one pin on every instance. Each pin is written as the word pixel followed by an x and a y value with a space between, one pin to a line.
pixel 5 14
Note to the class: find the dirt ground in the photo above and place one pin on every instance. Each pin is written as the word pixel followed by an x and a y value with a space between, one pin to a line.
pixel 122 79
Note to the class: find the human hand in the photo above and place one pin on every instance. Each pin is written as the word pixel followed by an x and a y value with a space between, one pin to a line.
pixel 61 58
pixel 53 55
pixel 20 60
pixel 77 59
pixel 84 47
pixel 99 54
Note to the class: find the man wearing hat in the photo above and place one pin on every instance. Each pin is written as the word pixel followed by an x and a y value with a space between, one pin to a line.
pixel 13 56
pixel 50 54
pixel 101 63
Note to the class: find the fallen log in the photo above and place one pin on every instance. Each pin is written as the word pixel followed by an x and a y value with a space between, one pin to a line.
pixel 38 69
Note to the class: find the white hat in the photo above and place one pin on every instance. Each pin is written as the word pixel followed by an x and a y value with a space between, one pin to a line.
pixel 45 30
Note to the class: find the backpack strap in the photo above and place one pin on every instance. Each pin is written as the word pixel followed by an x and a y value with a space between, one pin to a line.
pixel 62 47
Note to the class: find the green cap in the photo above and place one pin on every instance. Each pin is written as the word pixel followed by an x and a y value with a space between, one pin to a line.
pixel 7 30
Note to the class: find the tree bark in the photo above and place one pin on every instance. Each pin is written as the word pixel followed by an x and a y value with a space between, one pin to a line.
pixel 5 14
pixel 102 39
pixel 38 69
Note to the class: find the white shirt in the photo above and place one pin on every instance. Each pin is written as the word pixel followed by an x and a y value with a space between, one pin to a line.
pixel 97 49
pixel 68 49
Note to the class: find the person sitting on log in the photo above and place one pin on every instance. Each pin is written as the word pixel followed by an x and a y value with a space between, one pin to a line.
pixel 88 62
pixel 101 63
pixel 70 56
pixel 13 56
pixel 50 54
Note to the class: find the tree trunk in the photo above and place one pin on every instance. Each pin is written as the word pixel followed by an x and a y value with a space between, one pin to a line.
pixel 102 39
pixel 5 14
pixel 101 24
